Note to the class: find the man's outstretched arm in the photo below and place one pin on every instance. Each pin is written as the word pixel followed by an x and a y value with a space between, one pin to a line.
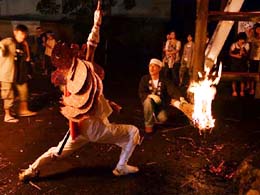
pixel 93 38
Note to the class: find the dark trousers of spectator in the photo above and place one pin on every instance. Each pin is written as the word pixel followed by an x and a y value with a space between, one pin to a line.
pixel 48 66
pixel 172 73
pixel 254 66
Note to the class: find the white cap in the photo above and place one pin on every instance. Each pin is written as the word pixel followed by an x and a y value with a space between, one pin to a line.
pixel 156 61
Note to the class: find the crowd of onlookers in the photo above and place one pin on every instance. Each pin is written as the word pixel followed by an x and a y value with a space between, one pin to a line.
pixel 45 42
pixel 243 56
pixel 177 66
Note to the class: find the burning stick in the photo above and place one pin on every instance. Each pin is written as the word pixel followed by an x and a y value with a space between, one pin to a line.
pixel 174 129
pixel 34 185
pixel 184 107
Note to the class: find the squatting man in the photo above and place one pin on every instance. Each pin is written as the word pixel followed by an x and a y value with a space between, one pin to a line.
pixel 154 90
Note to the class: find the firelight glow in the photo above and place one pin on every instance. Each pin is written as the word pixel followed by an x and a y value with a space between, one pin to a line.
pixel 204 92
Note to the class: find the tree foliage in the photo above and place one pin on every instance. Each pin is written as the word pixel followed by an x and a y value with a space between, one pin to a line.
pixel 48 7
pixel 78 7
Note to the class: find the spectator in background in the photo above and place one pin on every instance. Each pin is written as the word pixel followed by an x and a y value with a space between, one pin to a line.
pixel 41 39
pixel 238 60
pixel 186 59
pixel 9 54
pixel 254 57
pixel 49 45
pixel 23 75
pixel 172 58
pixel 164 49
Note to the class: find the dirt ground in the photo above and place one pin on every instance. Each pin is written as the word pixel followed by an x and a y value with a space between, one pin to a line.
pixel 173 160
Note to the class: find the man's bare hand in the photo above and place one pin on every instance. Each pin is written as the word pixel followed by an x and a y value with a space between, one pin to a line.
pixel 98 15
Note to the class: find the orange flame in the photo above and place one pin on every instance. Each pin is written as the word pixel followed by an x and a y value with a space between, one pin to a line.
pixel 204 92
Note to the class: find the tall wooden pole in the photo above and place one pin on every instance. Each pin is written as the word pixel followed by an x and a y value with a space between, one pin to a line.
pixel 200 37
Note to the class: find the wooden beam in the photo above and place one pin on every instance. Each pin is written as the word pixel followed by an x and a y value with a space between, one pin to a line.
pixel 238 76
pixel 234 16
pixel 200 37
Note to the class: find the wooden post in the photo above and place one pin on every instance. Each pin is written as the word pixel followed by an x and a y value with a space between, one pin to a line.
pixel 200 36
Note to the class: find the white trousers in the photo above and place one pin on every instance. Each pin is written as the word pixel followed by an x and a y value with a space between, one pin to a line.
pixel 92 130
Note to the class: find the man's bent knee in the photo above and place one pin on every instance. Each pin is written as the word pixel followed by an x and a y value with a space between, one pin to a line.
pixel 134 134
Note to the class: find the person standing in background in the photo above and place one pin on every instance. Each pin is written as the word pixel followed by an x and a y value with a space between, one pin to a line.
pixel 254 57
pixel 23 75
pixel 186 59
pixel 40 39
pixel 49 45
pixel 238 60
pixel 9 54
pixel 172 58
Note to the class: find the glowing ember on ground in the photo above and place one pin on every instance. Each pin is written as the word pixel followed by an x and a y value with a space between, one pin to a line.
pixel 204 92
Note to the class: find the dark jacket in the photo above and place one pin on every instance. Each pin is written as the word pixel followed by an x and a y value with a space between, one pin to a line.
pixel 167 90
pixel 22 66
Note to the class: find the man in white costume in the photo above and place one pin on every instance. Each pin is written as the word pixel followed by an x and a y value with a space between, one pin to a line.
pixel 88 111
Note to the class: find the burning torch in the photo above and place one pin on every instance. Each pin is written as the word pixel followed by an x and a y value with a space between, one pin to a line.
pixel 203 92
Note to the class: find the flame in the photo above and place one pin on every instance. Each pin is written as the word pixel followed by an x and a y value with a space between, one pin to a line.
pixel 204 92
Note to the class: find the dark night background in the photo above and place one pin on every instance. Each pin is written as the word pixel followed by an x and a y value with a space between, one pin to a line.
pixel 139 39
pixel 175 160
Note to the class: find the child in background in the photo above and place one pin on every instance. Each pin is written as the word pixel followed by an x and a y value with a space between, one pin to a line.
pixel 185 72
pixel 238 55
pixel 50 43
